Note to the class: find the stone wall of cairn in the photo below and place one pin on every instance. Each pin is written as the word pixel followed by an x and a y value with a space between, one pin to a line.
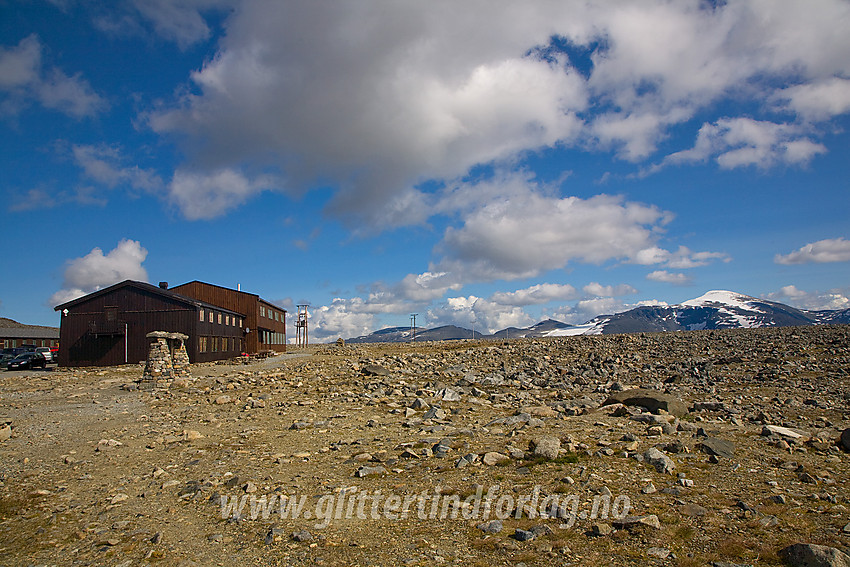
pixel 167 359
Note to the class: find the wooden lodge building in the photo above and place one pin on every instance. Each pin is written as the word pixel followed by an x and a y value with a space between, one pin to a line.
pixel 268 320
pixel 109 326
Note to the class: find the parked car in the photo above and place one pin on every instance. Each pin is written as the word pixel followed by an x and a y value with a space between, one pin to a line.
pixel 27 360
pixel 9 353
pixel 45 352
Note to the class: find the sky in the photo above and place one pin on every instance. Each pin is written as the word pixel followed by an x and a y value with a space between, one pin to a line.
pixel 483 163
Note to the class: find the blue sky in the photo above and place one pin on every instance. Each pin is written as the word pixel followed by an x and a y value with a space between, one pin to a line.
pixel 489 165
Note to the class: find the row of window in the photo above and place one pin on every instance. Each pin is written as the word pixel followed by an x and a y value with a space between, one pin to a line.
pixel 222 318
pixel 13 343
pixel 219 344
pixel 270 338
pixel 272 314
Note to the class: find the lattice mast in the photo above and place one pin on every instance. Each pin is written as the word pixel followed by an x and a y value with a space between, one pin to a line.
pixel 301 335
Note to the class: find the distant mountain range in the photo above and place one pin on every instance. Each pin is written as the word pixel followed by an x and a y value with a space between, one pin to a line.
pixel 715 310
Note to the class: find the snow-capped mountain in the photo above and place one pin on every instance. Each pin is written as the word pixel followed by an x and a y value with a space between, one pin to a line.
pixel 717 309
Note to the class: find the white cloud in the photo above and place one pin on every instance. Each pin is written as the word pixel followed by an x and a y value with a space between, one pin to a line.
pixel 599 290
pixel 536 295
pixel 180 21
pixel 682 258
pixel 20 66
pixel 531 233
pixel 815 300
pixel 24 78
pixel 741 142
pixel 483 315
pixel 208 195
pixel 339 319
pixel 828 250
pixel 106 165
pixel 95 270
pixel 41 198
pixel 426 286
pixel 377 98
pixel 669 277
pixel 817 101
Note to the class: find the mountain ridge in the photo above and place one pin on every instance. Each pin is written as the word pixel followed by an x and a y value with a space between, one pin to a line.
pixel 715 309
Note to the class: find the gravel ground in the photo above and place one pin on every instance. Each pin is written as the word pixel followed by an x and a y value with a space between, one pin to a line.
pixel 98 472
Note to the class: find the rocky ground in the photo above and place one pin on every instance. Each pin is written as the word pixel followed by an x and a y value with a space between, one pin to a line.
pixel 698 448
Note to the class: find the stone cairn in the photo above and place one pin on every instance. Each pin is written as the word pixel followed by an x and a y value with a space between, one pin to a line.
pixel 167 360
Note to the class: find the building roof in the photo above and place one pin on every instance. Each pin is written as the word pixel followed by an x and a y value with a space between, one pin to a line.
pixel 29 332
pixel 144 287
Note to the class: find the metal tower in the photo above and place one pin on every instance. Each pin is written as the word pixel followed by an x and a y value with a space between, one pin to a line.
pixel 301 337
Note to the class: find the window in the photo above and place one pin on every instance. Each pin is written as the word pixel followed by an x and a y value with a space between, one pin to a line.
pixel 227 319
pixel 202 344
pixel 219 318
pixel 262 311
pixel 215 344
pixel 202 316
pixel 211 316
pixel 240 322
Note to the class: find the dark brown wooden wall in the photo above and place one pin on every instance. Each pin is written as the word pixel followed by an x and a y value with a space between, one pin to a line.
pixel 142 311
pixel 241 302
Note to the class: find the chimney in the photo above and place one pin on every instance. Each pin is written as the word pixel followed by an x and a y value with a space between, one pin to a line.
pixel 163 285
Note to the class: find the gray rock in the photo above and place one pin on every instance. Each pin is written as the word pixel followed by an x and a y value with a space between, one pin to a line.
pixel 547 447
pixel 601 529
pixel 493 458
pixel 367 470
pixel 491 527
pixel 419 403
pixel 692 509
pixel 659 552
pixel 719 447
pixel 374 370
pixel 659 460
pixel 780 431
pixel 434 413
pixel 466 460
pixel 810 555
pixel 449 395
pixel 630 522
pixel 302 535
pixel 523 535
pixel 649 399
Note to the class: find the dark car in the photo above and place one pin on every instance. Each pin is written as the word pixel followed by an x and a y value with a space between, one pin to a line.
pixel 28 360
pixel 10 353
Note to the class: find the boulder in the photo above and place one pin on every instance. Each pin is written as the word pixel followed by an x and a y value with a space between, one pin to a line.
pixel 547 447
pixel 810 555
pixel 659 460
pixel 718 447
pixel 374 370
pixel 649 399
